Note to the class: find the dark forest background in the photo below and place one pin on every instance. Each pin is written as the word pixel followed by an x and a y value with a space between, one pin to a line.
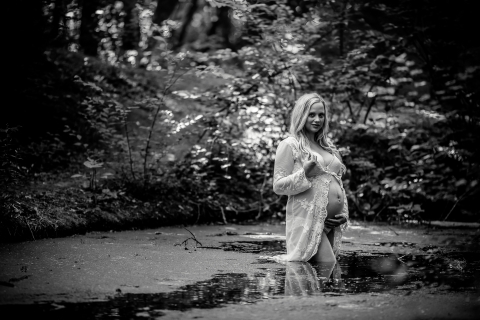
pixel 143 113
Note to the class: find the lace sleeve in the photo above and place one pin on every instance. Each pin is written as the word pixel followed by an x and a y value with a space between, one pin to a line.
pixel 344 212
pixel 285 182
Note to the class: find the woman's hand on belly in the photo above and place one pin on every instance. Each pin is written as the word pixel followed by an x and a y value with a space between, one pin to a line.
pixel 335 222
pixel 334 206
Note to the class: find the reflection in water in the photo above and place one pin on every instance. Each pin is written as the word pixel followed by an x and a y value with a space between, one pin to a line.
pixel 377 273
pixel 303 279
pixel 354 273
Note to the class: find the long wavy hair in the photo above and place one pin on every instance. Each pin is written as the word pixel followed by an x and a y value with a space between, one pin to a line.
pixel 299 118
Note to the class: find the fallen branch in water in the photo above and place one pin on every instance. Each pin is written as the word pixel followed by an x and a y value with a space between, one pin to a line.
pixel 185 242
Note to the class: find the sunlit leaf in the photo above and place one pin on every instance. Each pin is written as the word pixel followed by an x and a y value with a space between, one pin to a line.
pixel 92 164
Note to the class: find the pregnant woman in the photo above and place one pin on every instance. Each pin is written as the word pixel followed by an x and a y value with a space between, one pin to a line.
pixel 309 169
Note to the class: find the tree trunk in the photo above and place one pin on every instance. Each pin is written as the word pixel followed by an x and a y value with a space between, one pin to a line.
pixel 223 26
pixel 89 39
pixel 57 32
pixel 164 10
pixel 30 32
pixel 186 22
pixel 24 44
pixel 131 29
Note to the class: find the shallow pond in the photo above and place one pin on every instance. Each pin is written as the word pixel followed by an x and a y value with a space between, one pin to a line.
pixel 354 274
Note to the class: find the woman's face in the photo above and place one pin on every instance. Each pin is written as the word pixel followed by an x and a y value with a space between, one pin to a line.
pixel 316 118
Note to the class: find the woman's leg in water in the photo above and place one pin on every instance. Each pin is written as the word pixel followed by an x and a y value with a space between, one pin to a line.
pixel 331 237
pixel 324 251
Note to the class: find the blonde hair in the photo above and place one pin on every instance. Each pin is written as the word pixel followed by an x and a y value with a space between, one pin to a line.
pixel 299 118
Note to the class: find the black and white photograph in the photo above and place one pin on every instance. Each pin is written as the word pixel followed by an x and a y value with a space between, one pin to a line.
pixel 240 160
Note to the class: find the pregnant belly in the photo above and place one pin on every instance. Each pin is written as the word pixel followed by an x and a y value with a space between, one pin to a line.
pixel 335 199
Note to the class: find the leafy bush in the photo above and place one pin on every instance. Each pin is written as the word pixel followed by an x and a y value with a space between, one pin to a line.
pixel 12 171
pixel 13 174
pixel 405 160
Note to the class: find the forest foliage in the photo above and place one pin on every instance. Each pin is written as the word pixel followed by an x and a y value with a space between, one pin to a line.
pixel 180 104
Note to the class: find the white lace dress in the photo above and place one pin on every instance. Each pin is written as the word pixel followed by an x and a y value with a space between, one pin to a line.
pixel 307 203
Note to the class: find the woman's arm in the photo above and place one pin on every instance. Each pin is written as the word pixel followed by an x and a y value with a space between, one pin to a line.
pixel 284 181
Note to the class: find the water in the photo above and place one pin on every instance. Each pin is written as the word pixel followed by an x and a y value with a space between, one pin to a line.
pixel 354 274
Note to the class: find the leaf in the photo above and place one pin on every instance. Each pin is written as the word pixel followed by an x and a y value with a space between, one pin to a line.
pixel 92 164
pixel 108 192
pixel 417 208
pixel 106 175
pixel 239 15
